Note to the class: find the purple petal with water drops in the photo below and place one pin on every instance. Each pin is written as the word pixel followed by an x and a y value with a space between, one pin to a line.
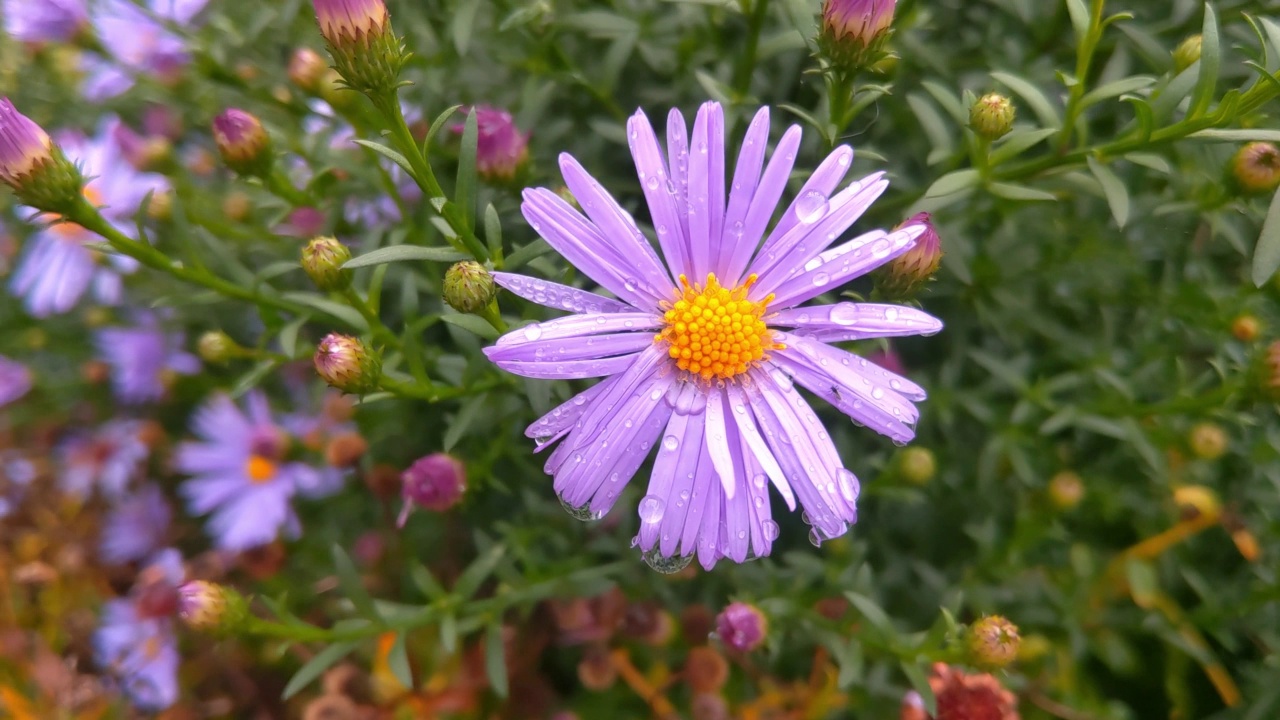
pixel 831 356
pixel 560 297
pixel 815 232
pixel 718 441
pixel 763 529
pixel 678 171
pixel 744 417
pixel 768 192
pixel 709 527
pixel 691 463
pixel 673 465
pixel 813 195
pixel 615 224
pixel 660 194
pixel 568 369
pixel 843 263
pixel 581 243
pixel 576 326
pixel 736 242
pixel 856 321
pixel 635 448
pixel 572 348
pixel 706 188
pixel 705 488
pixel 738 518
pixel 563 416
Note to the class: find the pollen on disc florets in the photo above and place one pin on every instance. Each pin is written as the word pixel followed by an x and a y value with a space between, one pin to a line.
pixel 716 332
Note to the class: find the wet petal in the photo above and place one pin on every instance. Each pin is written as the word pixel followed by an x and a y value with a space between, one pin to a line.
pixel 574 326
pixel 841 264
pixel 737 243
pixel 706 188
pixel 560 297
pixel 744 417
pixel 660 193
pixel 856 321
pixel 820 185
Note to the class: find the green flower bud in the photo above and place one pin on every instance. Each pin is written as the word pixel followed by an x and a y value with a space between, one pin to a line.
pixel 1066 490
pixel 1187 54
pixel 365 49
pixel 992 116
pixel 346 364
pixel 322 259
pixel 217 347
pixel 993 643
pixel 31 164
pixel 917 465
pixel 1207 441
pixel 468 287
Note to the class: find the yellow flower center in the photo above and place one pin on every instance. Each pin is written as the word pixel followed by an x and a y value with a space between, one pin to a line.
pixel 259 469
pixel 714 331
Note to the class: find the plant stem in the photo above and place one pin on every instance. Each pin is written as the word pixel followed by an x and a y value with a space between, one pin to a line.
pixel 746 66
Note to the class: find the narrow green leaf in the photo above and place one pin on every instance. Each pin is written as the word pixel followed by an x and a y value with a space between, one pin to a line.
pixel 495 658
pixel 1165 99
pixel 1210 63
pixel 1236 136
pixel 449 632
pixel 871 611
pixel 1144 585
pixel 937 129
pixel 316 666
pixel 250 380
pixel 425 581
pixel 472 324
pixel 1040 105
pixel 437 125
pixel 1116 89
pixel 1117 194
pixel 464 19
pixel 388 153
pixel 948 100
pixel 1079 18
pixel 1150 160
pixel 1009 191
pixel 953 182
pixel 520 257
pixel 349 581
pixel 1145 116
pixel 465 192
pixel 338 310
pixel 492 230
pixel 1272 29
pixel 401 253
pixel 463 421
pixel 1266 258
pixel 479 569
pixel 289 336
pixel 920 683
pixel 398 661
pixel 1017 142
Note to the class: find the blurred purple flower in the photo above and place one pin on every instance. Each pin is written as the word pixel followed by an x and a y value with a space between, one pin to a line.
pixel 44 20
pixel 135 640
pixel 56 268
pixel 314 430
pixel 15 380
pixel 702 367
pixel 136 527
pixel 240 474
pixel 136 42
pixel 141 357
pixel 303 222
pixel 17 472
pixel 106 458
pixel 888 359
pixel 500 146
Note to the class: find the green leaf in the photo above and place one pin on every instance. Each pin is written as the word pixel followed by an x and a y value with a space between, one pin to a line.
pixel 1236 136
pixel 464 195
pixel 398 661
pixel 953 182
pixel 1210 62
pixel 1116 89
pixel 316 666
pixel 871 611
pixel 425 581
pixel 1017 142
pixel 1145 116
pixel 937 129
pixel 342 312
pixel 1149 160
pixel 948 100
pixel 1165 99
pixel 464 19
pixel 920 683
pixel 1266 257
pixel 1117 194
pixel 492 230
pixel 401 253
pixel 495 658
pixel 437 125
pixel 472 324
pixel 388 153
pixel 479 570
pixel 463 421
pixel 1009 191
pixel 520 257
pixel 1040 104
pixel 289 336
pixel 1079 18
pixel 250 380
pixel 1144 585
pixel 349 581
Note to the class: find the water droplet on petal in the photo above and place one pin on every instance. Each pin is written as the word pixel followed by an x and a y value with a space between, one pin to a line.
pixel 844 313
pixel 891 314
pixel 533 332
pixel 670 443
pixel 651 509
pixel 810 207
pixel 652 182
pixel 771 530
pixel 666 565
pixel 821 279
pixel 582 513
pixel 849 486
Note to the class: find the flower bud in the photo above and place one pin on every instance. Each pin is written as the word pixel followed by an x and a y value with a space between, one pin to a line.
pixel 1195 501
pixel 1207 441
pixel 853 31
pixel 742 627
pixel 322 260
pixel 468 287
pixel 917 465
pixel 991 117
pixel 905 274
pixel 1267 372
pixel 1256 167
pixel 345 450
pixel 1066 490
pixel 208 606
pixel 696 622
pixel 1187 54
pixel 31 164
pixel 383 481
pixel 217 347
pixel 596 670
pixel 160 207
pixel 347 365
pixel 307 70
pixel 435 482
pixel 649 624
pixel 993 642
pixel 243 142
pixel 1246 328
pixel 705 669
pixel 366 52
pixel 501 149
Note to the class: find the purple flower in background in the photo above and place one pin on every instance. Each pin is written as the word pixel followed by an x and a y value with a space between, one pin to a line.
pixel 702 355
pixel 136 527
pixel 240 474
pixel 107 458
pixel 500 146
pixel 56 269
pixel 44 20
pixel 17 472
pixel 742 626
pixel 136 43
pixel 141 358
pixel 15 380
pixel 314 430
pixel 135 641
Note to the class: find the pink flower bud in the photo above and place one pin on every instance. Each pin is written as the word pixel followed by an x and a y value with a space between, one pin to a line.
pixel 435 482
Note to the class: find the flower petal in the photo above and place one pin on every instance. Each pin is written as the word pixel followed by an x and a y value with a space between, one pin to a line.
pixel 718 441
pixel 737 243
pixel 706 188
pixel 856 321
pixel 678 170
pixel 820 184
pixel 563 416
pixel 641 368
pixel 675 462
pixel 710 527
pixel 841 264
pixel 576 326
pixel 745 420
pixel 560 297
pixel 569 369
pixel 659 191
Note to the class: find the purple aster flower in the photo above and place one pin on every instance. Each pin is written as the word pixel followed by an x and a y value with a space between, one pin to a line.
pixel 314 430
pixel 240 474
pixel 15 380
pixel 141 359
pixel 702 355
pixel 500 146
pixel 56 269
pixel 742 626
pixel 135 641
pixel 136 527
pixel 136 42
pixel 107 458
pixel 44 20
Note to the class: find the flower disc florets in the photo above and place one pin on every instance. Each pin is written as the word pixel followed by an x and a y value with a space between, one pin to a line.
pixel 716 332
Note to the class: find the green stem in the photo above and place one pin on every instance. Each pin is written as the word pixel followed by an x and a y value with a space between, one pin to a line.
pixel 380 331
pixel 283 188
pixel 1084 58
pixel 746 66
